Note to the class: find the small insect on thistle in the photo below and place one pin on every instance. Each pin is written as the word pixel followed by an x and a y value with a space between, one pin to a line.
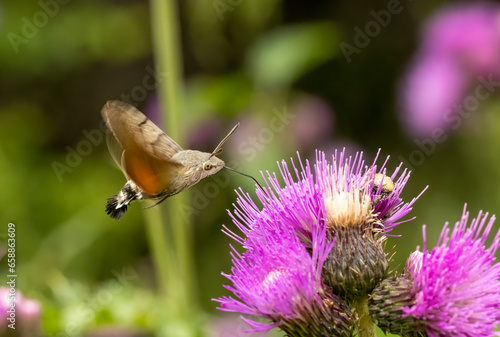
pixel 386 188
pixel 155 166
pixel 387 183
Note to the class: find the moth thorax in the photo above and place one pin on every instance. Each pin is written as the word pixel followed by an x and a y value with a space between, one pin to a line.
pixel 117 204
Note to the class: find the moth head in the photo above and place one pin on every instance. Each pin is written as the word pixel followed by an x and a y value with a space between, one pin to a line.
pixel 213 163
pixel 211 166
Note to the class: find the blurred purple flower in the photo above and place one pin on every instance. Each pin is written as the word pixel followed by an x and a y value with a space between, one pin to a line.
pixel 457 288
pixel 313 122
pixel 4 307
pixel 152 110
pixel 469 33
pixel 245 143
pixel 26 313
pixel 205 136
pixel 459 44
pixel 432 86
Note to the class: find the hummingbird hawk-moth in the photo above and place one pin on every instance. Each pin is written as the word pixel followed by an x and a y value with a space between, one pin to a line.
pixel 155 166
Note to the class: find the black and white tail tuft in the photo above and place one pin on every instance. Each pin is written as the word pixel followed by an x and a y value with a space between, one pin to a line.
pixel 117 205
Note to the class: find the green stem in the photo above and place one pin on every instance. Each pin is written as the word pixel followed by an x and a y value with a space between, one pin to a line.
pixel 170 238
pixel 365 325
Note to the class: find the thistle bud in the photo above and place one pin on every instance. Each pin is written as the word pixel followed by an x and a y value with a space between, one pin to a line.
pixel 329 317
pixel 413 264
pixel 356 264
pixel 386 305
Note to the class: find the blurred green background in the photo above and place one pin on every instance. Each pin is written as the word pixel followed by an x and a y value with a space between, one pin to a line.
pixel 274 66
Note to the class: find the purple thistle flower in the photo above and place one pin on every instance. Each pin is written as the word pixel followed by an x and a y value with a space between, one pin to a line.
pixel 351 188
pixel 360 205
pixel 277 278
pixel 328 193
pixel 457 289
pixel 430 93
pixel 313 122
pixel 299 204
pixel 282 273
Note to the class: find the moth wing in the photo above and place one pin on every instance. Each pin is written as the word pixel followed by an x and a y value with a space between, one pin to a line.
pixel 152 174
pixel 141 149
pixel 115 148
pixel 129 125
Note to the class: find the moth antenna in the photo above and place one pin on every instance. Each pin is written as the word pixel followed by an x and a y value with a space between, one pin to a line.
pixel 218 149
pixel 249 176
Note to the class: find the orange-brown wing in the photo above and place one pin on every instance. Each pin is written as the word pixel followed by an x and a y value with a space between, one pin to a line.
pixel 141 149
pixel 152 174
pixel 130 125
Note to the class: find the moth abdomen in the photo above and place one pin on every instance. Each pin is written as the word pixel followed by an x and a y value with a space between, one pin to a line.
pixel 117 205
pixel 114 208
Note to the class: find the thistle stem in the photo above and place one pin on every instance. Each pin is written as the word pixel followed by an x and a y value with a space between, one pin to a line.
pixel 365 325
pixel 169 232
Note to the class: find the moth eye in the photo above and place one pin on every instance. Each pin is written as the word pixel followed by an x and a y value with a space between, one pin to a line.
pixel 207 166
